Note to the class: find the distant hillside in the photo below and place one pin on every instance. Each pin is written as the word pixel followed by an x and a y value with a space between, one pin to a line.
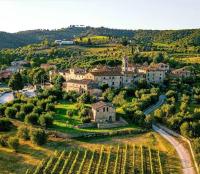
pixel 187 37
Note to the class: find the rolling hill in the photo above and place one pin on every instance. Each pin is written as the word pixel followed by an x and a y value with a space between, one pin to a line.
pixel 185 37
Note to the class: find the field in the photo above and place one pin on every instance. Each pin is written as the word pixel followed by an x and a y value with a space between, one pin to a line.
pixel 190 60
pixel 119 159
pixel 95 39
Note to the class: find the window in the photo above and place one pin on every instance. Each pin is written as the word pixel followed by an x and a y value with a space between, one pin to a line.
pixel 103 109
pixel 113 83
pixel 107 109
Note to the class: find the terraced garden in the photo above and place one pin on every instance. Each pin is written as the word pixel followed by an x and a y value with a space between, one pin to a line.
pixel 119 159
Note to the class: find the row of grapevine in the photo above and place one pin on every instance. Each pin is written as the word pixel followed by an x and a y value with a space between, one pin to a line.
pixel 73 163
pixel 124 160
pixel 50 164
pixel 82 162
pixel 99 162
pixel 105 160
pixel 56 166
pixel 116 160
pixel 65 164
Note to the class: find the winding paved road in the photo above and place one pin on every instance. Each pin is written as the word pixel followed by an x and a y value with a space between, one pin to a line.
pixel 183 153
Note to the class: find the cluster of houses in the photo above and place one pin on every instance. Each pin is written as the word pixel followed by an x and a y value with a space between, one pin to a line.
pixel 81 80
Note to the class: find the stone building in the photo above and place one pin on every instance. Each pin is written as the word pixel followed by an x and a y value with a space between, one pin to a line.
pixel 181 73
pixel 103 112
pixel 71 74
pixel 128 67
pixel 162 66
pixel 82 86
pixel 155 73
pixel 112 78
pixel 5 74
pixel 47 66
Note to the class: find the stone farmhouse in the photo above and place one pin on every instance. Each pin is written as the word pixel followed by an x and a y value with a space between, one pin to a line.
pixel 47 66
pixel 17 66
pixel 103 112
pixel 82 86
pixel 5 74
pixel 181 73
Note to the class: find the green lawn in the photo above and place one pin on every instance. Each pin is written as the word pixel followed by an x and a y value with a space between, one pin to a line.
pixel 66 124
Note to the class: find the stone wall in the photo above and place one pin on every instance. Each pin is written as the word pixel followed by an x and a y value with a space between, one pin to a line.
pixel 87 125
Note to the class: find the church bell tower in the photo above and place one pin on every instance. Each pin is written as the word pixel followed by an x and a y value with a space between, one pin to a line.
pixel 124 64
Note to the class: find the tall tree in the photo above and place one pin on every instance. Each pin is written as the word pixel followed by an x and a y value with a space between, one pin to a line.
pixel 16 82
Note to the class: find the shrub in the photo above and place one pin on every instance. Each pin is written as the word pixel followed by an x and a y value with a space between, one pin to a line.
pixel 119 99
pixel 70 96
pixel 50 107
pixel 32 119
pixel 51 98
pixel 27 108
pixel 13 143
pixel 37 110
pixel 20 116
pixel 2 110
pixel 5 124
pixel 3 140
pixel 32 101
pixel 10 112
pixel 86 120
pixel 38 136
pixel 70 113
pixel 46 120
pixel 84 112
pixel 42 104
pixel 17 106
pixel 23 133
pixel 109 94
pixel 84 98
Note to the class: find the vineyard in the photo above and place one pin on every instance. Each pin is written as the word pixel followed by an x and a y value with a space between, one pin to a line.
pixel 121 159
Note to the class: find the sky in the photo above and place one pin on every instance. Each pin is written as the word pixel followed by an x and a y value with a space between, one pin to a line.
pixel 20 15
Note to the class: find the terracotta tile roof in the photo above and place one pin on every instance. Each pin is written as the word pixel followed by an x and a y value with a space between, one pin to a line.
pixel 101 104
pixel 83 82
pixel 5 74
pixel 180 70
pixel 47 65
pixel 151 68
pixel 106 73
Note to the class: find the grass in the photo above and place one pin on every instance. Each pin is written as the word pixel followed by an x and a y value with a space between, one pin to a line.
pixel 66 124
pixel 190 60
